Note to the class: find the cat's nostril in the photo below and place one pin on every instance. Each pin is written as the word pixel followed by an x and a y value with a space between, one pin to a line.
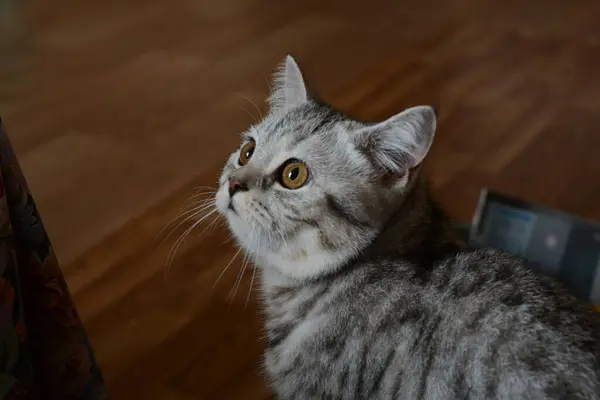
pixel 235 186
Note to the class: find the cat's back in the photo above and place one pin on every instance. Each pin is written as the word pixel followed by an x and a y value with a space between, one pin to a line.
pixel 473 325
pixel 487 277
pixel 511 329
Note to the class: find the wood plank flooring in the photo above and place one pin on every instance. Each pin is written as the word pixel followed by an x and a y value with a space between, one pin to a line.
pixel 118 110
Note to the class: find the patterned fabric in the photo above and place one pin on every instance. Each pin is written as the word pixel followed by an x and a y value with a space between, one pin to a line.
pixel 44 350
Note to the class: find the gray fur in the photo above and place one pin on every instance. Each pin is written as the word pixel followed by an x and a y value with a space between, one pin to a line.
pixel 367 294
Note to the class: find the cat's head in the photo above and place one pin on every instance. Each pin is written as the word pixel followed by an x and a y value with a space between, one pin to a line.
pixel 309 188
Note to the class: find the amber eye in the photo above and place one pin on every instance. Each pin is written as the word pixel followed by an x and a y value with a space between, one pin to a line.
pixel 294 174
pixel 246 152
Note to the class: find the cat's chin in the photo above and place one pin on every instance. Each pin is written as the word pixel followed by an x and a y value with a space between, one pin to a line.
pixel 239 228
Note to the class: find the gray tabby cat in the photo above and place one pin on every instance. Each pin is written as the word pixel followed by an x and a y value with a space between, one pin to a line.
pixel 366 293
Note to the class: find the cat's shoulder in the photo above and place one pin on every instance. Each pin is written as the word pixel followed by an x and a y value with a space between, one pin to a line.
pixel 486 260
pixel 480 269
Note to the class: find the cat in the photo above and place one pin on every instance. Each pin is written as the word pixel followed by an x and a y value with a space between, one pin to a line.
pixel 366 292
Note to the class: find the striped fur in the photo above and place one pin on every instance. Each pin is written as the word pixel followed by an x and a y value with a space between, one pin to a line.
pixel 367 293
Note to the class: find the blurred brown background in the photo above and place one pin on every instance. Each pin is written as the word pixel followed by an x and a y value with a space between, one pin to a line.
pixel 119 109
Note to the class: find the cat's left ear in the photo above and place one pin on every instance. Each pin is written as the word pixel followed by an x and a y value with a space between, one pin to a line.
pixel 399 143
pixel 289 89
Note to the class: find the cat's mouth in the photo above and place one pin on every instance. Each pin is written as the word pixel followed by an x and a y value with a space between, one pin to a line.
pixel 231 207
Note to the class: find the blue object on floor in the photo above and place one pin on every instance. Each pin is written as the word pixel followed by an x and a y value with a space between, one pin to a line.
pixel 556 243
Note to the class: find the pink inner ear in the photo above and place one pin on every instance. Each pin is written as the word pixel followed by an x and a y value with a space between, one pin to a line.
pixel 391 177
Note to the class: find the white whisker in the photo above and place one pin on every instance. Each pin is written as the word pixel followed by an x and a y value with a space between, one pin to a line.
pixel 194 198
pixel 210 227
pixel 238 280
pixel 254 104
pixel 251 285
pixel 227 240
pixel 178 242
pixel 250 114
pixel 252 279
pixel 199 188
pixel 190 214
pixel 181 239
pixel 269 85
pixel 182 212
pixel 225 269
pixel 283 239
pixel 196 209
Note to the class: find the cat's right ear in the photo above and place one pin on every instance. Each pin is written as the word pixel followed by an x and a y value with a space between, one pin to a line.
pixel 399 143
pixel 288 88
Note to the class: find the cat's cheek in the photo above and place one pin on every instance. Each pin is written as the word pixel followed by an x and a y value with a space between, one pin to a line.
pixel 222 200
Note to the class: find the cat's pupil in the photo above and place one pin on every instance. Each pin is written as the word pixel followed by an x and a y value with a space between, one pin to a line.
pixel 293 174
pixel 249 153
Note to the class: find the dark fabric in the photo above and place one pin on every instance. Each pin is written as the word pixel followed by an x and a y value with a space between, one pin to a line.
pixel 44 350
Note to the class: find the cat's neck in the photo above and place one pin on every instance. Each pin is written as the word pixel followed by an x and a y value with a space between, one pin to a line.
pixel 419 231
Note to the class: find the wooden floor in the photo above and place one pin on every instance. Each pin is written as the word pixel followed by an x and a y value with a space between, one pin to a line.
pixel 118 110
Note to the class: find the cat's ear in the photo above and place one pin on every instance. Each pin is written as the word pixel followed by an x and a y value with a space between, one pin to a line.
pixel 399 143
pixel 289 88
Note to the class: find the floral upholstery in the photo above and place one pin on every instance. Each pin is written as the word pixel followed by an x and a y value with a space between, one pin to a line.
pixel 44 350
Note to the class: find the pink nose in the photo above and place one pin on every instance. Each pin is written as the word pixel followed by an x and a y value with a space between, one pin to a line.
pixel 234 186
